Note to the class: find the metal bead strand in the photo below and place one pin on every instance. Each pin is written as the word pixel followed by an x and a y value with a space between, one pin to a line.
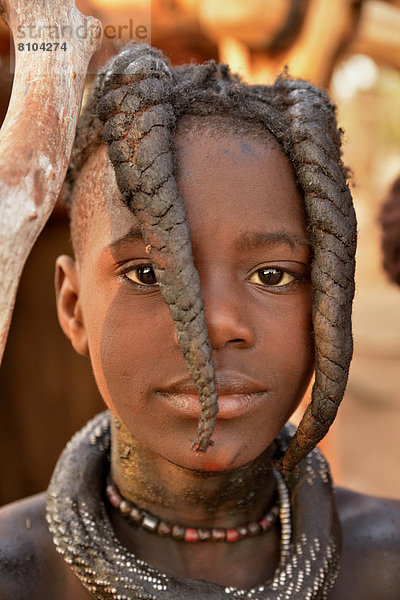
pixel 284 515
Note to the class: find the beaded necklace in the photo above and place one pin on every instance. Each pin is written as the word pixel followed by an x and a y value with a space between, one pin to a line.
pixel 149 522
pixel 83 534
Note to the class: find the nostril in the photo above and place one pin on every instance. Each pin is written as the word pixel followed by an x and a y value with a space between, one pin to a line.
pixel 237 342
pixel 227 320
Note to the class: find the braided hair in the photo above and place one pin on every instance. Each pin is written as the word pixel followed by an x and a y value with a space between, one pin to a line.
pixel 390 221
pixel 134 106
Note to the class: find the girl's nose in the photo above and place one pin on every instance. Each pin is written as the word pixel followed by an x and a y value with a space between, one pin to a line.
pixel 227 316
pixel 227 323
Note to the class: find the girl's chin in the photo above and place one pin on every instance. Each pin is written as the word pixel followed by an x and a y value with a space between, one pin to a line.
pixel 220 457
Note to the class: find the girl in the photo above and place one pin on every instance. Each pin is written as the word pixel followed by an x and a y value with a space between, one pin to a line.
pixel 214 236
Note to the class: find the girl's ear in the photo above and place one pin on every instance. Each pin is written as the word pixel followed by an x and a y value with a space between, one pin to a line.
pixel 69 308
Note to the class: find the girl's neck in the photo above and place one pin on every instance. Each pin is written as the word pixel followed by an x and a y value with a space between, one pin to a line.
pixel 198 500
pixel 190 498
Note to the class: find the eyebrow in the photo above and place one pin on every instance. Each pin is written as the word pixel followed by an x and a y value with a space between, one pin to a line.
pixel 256 239
pixel 246 241
pixel 134 234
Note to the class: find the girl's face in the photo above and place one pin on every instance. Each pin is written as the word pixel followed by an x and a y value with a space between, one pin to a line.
pixel 251 250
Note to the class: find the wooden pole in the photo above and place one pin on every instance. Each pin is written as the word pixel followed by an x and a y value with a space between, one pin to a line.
pixel 38 131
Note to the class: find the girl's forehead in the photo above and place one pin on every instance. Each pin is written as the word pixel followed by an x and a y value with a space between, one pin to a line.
pixel 221 173
pixel 220 136
pixel 224 165
pixel 238 157
pixel 220 125
pixel 233 185
pixel 233 162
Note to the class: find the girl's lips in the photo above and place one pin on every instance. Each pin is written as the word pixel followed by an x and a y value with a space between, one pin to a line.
pixel 231 406
pixel 238 395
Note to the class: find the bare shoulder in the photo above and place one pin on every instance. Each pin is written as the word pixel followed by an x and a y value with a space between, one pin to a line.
pixel 370 563
pixel 24 548
pixel 30 568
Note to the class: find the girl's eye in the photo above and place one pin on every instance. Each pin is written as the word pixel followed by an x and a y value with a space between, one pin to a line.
pixel 143 275
pixel 272 276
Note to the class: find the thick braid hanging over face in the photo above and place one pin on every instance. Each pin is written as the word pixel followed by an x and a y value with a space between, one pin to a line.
pixel 136 103
pixel 332 229
pixel 390 222
pixel 136 108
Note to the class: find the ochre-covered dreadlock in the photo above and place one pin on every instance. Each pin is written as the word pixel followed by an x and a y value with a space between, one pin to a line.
pixel 390 222
pixel 136 103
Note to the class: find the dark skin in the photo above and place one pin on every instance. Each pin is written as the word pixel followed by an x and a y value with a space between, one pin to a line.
pixel 258 311
pixel 31 569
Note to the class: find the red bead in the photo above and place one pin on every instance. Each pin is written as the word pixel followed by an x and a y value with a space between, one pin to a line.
pixel 191 535
pixel 232 535
pixel 114 500
pixel 265 523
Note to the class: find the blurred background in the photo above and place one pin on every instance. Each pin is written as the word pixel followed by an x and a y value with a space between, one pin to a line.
pixel 350 47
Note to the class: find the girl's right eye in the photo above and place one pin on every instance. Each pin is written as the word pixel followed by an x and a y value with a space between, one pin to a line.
pixel 142 275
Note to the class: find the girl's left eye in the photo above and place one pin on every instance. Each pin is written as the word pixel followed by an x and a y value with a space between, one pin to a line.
pixel 142 275
pixel 271 276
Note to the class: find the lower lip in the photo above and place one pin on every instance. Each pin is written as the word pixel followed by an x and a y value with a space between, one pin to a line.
pixel 230 406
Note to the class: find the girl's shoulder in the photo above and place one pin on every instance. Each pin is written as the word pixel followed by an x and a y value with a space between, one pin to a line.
pixel 30 567
pixel 22 535
pixel 370 562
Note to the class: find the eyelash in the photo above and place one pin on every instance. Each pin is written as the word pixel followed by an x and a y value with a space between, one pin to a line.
pixel 139 286
pixel 295 277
